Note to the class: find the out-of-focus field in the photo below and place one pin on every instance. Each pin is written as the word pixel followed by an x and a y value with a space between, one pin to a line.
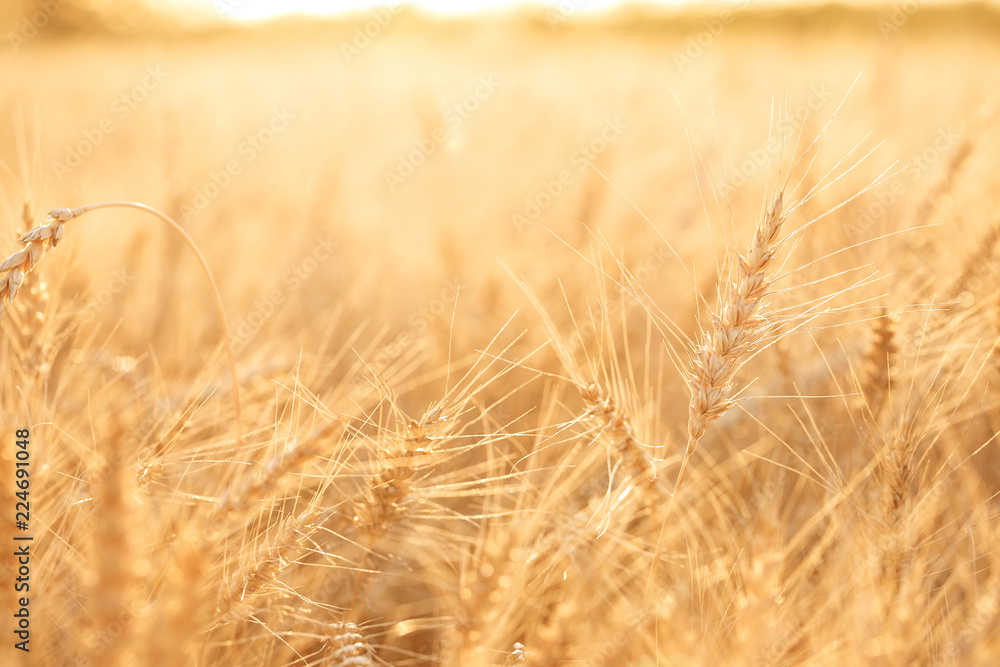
pixel 465 225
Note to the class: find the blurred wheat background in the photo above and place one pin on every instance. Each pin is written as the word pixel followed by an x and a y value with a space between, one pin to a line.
pixel 467 265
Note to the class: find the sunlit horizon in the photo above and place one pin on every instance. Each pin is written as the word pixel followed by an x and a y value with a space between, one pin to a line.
pixel 255 10
pixel 262 10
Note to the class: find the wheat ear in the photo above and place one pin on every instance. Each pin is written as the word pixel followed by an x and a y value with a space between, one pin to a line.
pixel 32 344
pixel 614 422
pixel 882 350
pixel 36 241
pixel 724 347
pixel 732 334
pixel 237 601
pixel 236 501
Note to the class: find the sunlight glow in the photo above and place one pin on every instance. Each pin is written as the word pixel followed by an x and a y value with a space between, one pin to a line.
pixel 265 9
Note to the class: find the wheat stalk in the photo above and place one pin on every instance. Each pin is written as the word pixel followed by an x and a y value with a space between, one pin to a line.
pixel 47 235
pixel 115 552
pixel 725 346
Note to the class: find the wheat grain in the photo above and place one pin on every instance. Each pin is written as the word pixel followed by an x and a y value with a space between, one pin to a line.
pixel 385 497
pixel 518 656
pixel 345 646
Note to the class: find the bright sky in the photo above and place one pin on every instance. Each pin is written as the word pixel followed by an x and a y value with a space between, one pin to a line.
pixel 263 9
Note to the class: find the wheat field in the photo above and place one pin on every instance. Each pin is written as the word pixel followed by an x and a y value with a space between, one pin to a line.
pixel 664 339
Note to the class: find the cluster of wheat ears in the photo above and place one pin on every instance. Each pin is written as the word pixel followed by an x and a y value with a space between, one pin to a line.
pixel 842 514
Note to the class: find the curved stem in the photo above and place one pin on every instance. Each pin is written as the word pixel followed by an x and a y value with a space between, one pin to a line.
pixel 657 550
pixel 76 212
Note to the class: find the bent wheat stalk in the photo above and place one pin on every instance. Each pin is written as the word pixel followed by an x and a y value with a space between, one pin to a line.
pixel 38 240
pixel 725 346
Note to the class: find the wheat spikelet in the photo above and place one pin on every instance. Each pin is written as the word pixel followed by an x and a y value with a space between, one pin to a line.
pixel 733 330
pixel 895 473
pixel 30 315
pixel 345 646
pixel 383 502
pixel 518 655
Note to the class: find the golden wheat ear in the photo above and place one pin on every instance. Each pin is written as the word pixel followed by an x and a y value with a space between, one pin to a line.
pixel 40 239
pixel 733 334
